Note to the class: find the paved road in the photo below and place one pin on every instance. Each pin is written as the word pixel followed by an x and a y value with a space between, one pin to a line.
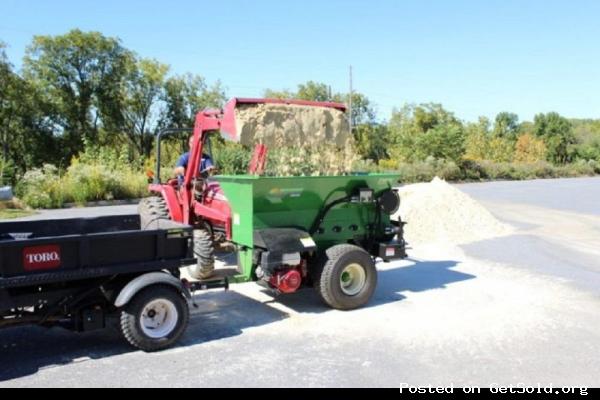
pixel 82 212
pixel 559 227
pixel 579 195
pixel 518 309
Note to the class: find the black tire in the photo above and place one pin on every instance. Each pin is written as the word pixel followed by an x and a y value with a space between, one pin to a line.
pixel 204 251
pixel 152 210
pixel 131 315
pixel 328 272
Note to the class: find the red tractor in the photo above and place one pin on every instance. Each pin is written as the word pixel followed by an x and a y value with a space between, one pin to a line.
pixel 198 200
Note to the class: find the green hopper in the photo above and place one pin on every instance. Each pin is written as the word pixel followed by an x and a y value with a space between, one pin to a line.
pixel 325 231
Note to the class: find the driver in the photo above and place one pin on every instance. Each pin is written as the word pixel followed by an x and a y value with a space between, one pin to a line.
pixel 206 165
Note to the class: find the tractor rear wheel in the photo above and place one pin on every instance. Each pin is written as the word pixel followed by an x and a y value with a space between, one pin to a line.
pixel 204 250
pixel 345 277
pixel 152 210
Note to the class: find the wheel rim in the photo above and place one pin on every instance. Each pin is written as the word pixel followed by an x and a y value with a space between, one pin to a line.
pixel 353 279
pixel 159 318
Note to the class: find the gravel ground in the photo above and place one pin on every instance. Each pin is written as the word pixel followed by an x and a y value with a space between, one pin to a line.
pixel 518 309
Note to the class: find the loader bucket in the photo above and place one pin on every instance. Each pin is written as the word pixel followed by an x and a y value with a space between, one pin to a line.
pixel 276 122
pixel 278 202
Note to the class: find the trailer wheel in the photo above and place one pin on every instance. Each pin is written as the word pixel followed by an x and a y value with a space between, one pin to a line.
pixel 204 250
pixel 151 210
pixel 345 277
pixel 155 318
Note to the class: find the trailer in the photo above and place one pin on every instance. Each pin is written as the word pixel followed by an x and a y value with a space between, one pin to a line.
pixel 82 274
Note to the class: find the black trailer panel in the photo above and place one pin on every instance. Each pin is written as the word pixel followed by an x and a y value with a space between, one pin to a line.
pixel 38 252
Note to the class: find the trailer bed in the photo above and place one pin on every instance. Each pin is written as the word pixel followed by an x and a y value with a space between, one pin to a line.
pixel 42 252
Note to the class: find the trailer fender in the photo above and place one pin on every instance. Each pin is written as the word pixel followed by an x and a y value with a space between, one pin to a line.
pixel 144 281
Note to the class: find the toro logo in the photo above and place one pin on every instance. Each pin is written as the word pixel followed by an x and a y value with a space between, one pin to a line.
pixel 40 258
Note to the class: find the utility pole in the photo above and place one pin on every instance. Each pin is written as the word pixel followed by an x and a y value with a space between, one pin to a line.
pixel 350 119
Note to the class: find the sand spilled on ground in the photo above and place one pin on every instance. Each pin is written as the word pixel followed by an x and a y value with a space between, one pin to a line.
pixel 291 125
pixel 438 212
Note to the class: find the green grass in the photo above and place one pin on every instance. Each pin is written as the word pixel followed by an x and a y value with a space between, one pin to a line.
pixel 12 213
pixel 13 209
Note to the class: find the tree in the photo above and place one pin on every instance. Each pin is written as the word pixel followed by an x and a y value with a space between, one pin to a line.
pixel 500 149
pixel 6 108
pixel 184 96
pixel 426 130
pixel 428 116
pixel 278 94
pixel 363 111
pixel 557 133
pixel 477 136
pixel 26 137
pixel 529 149
pixel 310 91
pixel 142 94
pixel 372 141
pixel 441 142
pixel 506 125
pixel 313 91
pixel 587 134
pixel 81 74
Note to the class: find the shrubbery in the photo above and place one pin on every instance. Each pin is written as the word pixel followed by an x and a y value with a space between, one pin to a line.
pixel 42 188
pixel 233 159
pixel 95 175
pixel 325 160
pixel 107 174
pixel 88 179
pixel 423 171
pixel 470 170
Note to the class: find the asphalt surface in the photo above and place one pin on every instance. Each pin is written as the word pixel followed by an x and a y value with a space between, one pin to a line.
pixel 558 225
pixel 83 212
pixel 518 309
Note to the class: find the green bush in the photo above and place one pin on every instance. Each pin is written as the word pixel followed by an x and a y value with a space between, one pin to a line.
pixel 231 158
pixel 97 174
pixel 595 164
pixel 46 188
pixel 423 171
pixel 41 188
pixel 326 160
pixel 94 182
pixel 578 168
pixel 488 170
pixel 470 170
pixel 107 174
pixel 365 166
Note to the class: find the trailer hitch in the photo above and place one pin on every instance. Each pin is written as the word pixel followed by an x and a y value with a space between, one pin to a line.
pixel 194 287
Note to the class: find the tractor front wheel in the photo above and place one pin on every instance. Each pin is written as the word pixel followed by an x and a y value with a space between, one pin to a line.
pixel 152 210
pixel 345 277
pixel 204 250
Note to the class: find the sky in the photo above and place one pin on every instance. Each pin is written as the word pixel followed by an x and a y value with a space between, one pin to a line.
pixel 477 58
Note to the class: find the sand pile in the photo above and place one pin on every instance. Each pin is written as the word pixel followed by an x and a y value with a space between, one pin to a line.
pixel 278 125
pixel 438 212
